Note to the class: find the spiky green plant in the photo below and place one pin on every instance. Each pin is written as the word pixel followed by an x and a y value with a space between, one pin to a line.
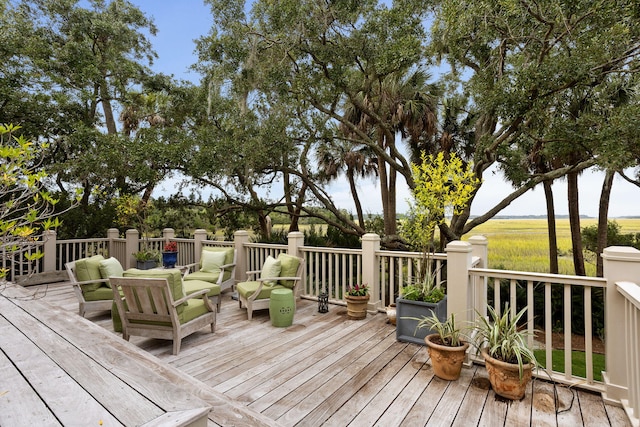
pixel 504 341
pixel 449 333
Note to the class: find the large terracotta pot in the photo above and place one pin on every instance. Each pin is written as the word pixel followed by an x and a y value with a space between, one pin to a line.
pixel 446 361
pixel 357 306
pixel 505 377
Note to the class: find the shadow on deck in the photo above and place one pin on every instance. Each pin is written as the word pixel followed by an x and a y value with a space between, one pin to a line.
pixel 328 370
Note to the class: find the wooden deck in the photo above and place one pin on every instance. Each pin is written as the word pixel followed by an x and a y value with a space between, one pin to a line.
pixel 331 371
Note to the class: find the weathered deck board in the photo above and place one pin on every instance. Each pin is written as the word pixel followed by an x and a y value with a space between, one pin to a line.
pixel 328 370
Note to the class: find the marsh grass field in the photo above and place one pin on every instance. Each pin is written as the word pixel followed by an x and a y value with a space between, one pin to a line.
pixel 523 245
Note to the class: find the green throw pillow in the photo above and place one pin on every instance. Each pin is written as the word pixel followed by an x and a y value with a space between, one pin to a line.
pixel 228 253
pixel 211 261
pixel 271 268
pixel 89 269
pixel 110 267
pixel 289 268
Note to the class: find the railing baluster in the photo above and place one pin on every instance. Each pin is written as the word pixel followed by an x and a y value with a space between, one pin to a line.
pixel 567 331
pixel 588 335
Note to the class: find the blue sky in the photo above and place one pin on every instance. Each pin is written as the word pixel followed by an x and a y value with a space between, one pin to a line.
pixel 179 23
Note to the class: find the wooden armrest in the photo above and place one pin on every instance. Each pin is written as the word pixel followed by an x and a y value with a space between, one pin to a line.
pixel 225 266
pixel 88 282
pixel 192 295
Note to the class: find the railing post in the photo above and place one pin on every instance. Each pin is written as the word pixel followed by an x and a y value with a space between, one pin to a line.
pixel 132 237
pixel 479 249
pixel 620 263
pixel 112 235
pixel 199 236
pixel 295 241
pixel 459 258
pixel 49 250
pixel 241 237
pixel 371 270
pixel 168 234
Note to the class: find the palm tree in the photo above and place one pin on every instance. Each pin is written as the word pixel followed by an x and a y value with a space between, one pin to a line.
pixel 340 156
pixel 398 103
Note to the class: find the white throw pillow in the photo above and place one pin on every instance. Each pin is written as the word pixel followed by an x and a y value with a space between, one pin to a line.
pixel 212 261
pixel 271 268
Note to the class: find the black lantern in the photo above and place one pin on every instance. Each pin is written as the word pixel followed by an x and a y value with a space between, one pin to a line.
pixel 323 302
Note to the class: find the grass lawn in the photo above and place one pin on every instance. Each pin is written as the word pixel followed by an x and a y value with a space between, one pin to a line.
pixel 578 364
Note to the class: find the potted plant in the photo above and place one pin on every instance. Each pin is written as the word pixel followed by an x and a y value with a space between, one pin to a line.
pixel 170 254
pixel 357 298
pixel 508 358
pixel 146 259
pixel 443 186
pixel 418 301
pixel 446 347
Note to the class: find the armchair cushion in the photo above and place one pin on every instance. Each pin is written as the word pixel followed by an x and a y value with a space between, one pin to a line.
pixel 191 286
pixel 211 261
pixel 289 269
pixel 228 258
pixel 110 267
pixel 173 276
pixel 271 268
pixel 101 293
pixel 246 289
pixel 89 269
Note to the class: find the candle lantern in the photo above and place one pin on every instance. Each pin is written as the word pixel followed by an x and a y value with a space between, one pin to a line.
pixel 323 302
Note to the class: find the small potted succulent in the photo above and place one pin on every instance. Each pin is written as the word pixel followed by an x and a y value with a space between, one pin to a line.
pixel 170 254
pixel 357 298
pixel 446 346
pixel 508 358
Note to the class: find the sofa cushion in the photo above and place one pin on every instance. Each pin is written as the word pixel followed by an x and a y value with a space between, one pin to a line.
pixel 289 268
pixel 89 269
pixel 246 289
pixel 271 268
pixel 110 267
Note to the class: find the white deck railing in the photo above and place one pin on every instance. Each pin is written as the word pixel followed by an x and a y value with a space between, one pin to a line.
pixel 528 283
pixel 469 285
pixel 631 293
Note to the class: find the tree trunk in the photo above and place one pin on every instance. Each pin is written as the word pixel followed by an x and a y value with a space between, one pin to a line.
pixel 551 226
pixel 574 223
pixel 393 229
pixel 384 193
pixel 603 219
pixel 356 199
pixel 109 120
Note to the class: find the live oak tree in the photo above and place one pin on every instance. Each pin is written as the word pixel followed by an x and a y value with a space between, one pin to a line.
pixel 531 71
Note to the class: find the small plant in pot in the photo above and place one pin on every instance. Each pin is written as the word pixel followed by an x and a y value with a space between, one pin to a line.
pixel 357 297
pixel 170 254
pixel 508 358
pixel 446 346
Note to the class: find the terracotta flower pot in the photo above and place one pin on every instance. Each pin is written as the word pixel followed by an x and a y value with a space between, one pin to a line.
pixel 505 377
pixel 446 361
pixel 357 306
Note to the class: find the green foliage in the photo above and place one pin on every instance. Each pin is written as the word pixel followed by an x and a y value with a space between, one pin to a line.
pixel 26 208
pixel 450 334
pixel 358 290
pixel 503 338
pixel 425 290
pixel 615 237
pixel 442 186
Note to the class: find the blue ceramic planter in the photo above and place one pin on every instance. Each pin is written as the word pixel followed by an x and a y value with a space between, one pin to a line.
pixel 169 259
